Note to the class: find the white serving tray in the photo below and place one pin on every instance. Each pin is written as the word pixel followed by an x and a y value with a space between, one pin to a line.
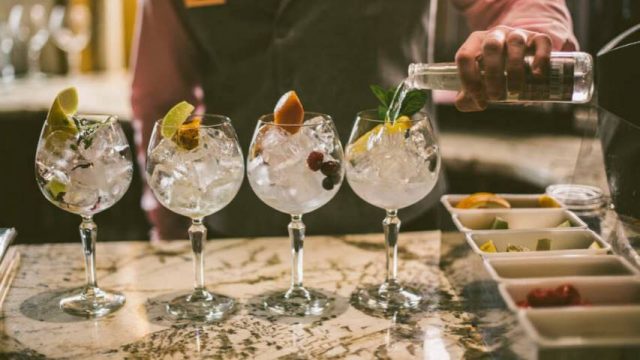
pixel 620 291
pixel 519 202
pixel 518 220
pixel 569 241
pixel 580 327
pixel 544 267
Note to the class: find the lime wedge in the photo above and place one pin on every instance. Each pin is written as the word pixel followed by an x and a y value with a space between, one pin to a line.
pixel 55 188
pixel 565 223
pixel 174 118
pixel 488 246
pixel 499 224
pixel 64 105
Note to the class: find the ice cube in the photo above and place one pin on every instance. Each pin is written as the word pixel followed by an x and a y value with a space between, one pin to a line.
pixel 57 151
pixel 259 172
pixel 272 144
pixel 321 133
pixel 98 143
pixel 421 142
pixel 206 171
pixel 81 195
pixel 163 152
pixel 219 143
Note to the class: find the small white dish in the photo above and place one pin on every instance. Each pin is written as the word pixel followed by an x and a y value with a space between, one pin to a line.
pixel 620 291
pixel 517 220
pixel 518 202
pixel 563 242
pixel 607 326
pixel 509 269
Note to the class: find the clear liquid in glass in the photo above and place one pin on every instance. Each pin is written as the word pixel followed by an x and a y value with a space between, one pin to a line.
pixel 87 172
pixel 198 182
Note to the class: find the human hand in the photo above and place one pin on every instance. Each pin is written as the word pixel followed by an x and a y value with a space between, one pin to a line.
pixel 496 51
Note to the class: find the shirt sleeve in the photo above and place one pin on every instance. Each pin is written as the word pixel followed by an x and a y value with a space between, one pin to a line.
pixel 165 72
pixel 550 17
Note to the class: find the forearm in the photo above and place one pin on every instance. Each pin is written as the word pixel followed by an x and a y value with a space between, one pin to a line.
pixel 549 17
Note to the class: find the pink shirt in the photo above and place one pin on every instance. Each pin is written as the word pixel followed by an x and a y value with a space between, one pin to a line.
pixel 161 79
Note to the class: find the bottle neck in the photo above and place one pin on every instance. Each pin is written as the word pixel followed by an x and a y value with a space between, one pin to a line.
pixel 434 76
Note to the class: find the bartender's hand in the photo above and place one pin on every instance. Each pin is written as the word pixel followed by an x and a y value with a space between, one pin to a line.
pixel 499 49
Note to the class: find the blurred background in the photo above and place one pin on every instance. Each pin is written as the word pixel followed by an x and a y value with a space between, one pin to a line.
pixel 46 45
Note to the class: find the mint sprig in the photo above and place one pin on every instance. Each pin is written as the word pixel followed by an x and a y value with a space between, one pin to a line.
pixel 411 104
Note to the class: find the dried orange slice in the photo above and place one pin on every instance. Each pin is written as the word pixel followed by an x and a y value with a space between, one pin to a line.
pixel 359 146
pixel 547 201
pixel 483 200
pixel 188 134
pixel 289 111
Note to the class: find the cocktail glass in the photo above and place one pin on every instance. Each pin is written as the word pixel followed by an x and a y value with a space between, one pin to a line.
pixel 196 182
pixel 85 172
pixel 296 169
pixel 391 166
pixel 70 28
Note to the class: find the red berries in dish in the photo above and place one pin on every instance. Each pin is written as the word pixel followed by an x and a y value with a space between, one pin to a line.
pixel 563 295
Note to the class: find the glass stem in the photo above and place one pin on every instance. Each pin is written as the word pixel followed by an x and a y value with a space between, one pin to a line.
pixel 34 61
pixel 198 237
pixel 296 233
pixel 89 234
pixel 391 225
pixel 74 61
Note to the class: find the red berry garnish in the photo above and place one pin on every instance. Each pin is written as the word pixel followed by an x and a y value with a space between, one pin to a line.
pixel 537 297
pixel 563 295
pixel 314 160
pixel 568 294
pixel 327 183
pixel 543 298
pixel 523 304
pixel 330 168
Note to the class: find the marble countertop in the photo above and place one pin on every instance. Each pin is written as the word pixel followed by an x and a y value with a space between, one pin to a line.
pixel 449 327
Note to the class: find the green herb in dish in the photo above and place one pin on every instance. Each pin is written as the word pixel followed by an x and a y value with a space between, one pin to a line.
pixel 516 248
pixel 499 224
pixel 543 244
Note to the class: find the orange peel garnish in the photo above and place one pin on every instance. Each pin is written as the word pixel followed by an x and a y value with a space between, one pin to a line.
pixel 289 111
pixel 483 200
pixel 188 134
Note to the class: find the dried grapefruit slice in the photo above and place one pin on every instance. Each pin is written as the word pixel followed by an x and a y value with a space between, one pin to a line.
pixel 289 111
pixel 188 135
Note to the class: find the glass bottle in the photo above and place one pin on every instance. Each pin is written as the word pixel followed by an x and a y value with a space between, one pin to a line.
pixel 588 202
pixel 569 79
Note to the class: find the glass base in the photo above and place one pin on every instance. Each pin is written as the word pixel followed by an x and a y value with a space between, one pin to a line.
pixel 200 305
pixel 298 302
pixel 388 298
pixel 92 302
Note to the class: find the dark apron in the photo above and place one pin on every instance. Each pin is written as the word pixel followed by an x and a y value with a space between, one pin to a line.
pixel 329 52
